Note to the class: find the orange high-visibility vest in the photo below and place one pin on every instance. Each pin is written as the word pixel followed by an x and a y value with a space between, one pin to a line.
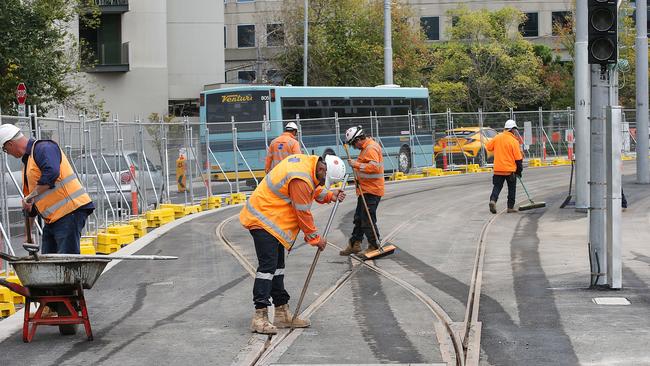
pixel 67 195
pixel 281 147
pixel 506 150
pixel 371 168
pixel 270 207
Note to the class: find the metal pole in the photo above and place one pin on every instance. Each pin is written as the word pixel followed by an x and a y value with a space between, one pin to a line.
pixel 597 248
pixel 305 49
pixel 337 128
pixel 582 105
pixel 190 155
pixel 234 151
pixel 388 45
pixel 208 165
pixel 166 163
pixel 480 127
pixel 614 197
pixel 642 173
pixel 145 203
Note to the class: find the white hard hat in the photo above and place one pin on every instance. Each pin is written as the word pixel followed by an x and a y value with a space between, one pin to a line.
pixel 7 132
pixel 510 124
pixel 353 133
pixel 291 126
pixel 335 170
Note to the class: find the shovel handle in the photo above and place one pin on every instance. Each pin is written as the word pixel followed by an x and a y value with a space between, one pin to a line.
pixel 21 290
pixel 363 198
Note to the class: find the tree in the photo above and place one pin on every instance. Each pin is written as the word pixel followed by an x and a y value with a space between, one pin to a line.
pixel 160 127
pixel 37 48
pixel 346 44
pixel 486 64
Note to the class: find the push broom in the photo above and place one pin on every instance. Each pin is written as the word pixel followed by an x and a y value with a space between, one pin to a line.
pixel 567 200
pixel 384 250
pixel 532 205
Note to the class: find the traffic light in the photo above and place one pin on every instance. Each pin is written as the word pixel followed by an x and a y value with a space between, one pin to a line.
pixel 603 47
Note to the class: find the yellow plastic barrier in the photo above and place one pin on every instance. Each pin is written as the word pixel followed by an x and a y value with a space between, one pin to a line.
pixel 398 176
pixel 87 240
pixel 626 158
pixel 114 239
pixel 472 168
pixel 156 218
pixel 87 250
pixel 211 202
pixel 139 227
pixel 560 161
pixel 432 172
pixel 7 308
pixel 179 210
pixel 452 172
pixel 414 176
pixel 236 198
pixel 18 299
pixel 6 295
pixel 122 230
pixel 107 248
pixel 535 162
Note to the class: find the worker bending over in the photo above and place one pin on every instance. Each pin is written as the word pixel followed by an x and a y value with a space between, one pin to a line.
pixel 278 208
pixel 282 146
pixel 508 164
pixel 369 167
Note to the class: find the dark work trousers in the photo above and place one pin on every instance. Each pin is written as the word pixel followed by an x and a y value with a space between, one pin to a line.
pixel 497 181
pixel 269 279
pixel 361 222
pixel 63 235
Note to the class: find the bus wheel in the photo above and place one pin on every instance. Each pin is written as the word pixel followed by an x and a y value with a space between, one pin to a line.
pixel 404 159
pixel 329 151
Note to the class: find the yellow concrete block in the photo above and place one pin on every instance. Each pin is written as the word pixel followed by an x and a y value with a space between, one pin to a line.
pixel 106 238
pixel 211 202
pixel 121 230
pixel 7 308
pixel 6 295
pixel 107 248
pixel 87 250
pixel 236 198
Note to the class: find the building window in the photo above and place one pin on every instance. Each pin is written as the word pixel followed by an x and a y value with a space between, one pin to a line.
pixel 274 35
pixel 225 37
pixel 431 27
pixel 274 77
pixel 246 77
pixel 560 20
pixel 183 108
pixel 245 36
pixel 529 28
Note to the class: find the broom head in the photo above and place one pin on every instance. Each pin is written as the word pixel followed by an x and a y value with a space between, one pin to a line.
pixel 385 250
pixel 532 205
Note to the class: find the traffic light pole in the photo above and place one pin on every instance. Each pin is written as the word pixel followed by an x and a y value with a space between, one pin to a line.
pixel 582 103
pixel 642 172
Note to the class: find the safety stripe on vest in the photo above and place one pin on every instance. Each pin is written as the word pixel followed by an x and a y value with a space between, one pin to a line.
pixel 76 194
pixel 279 272
pixel 371 176
pixel 57 186
pixel 302 207
pixel 264 276
pixel 275 188
pixel 322 195
pixel 287 238
pixel 311 236
pixel 375 163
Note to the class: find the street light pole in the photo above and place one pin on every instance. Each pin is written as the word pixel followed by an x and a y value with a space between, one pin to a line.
pixel 642 173
pixel 305 44
pixel 388 45
pixel 582 107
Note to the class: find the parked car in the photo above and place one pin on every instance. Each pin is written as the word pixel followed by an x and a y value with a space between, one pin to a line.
pixel 463 146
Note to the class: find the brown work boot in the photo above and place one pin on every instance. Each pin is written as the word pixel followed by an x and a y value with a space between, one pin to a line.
pixel 493 207
pixel 261 324
pixel 512 210
pixel 283 318
pixel 354 247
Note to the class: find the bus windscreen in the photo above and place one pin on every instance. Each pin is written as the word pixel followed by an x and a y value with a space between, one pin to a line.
pixel 244 106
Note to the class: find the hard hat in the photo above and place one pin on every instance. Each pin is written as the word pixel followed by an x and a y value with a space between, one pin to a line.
pixel 353 133
pixel 291 126
pixel 335 170
pixel 7 132
pixel 510 124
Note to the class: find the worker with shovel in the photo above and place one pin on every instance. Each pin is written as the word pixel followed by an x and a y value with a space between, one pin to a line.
pixel 369 169
pixel 277 210
pixel 508 164
pixel 282 146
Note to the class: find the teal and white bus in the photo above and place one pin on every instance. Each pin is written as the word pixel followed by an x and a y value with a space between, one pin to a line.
pixel 395 116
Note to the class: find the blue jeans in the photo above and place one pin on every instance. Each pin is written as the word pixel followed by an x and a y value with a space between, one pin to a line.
pixel 63 235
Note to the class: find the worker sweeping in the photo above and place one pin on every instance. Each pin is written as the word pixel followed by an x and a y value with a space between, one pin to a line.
pixel 51 190
pixel 282 146
pixel 508 164
pixel 369 168
pixel 277 210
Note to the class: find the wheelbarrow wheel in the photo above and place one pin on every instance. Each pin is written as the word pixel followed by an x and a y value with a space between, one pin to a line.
pixel 66 329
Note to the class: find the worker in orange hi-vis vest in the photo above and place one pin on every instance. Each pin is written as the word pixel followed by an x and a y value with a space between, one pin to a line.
pixel 508 164
pixel 282 146
pixel 277 210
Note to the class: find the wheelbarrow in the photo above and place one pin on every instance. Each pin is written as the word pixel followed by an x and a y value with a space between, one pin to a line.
pixel 57 281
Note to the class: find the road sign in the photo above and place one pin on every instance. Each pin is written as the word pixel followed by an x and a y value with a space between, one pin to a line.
pixel 21 110
pixel 21 93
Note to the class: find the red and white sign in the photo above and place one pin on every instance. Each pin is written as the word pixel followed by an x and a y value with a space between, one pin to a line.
pixel 21 93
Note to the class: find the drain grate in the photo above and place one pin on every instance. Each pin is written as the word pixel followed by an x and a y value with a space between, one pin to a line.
pixel 611 301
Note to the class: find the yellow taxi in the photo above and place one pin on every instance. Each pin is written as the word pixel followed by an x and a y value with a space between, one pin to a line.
pixel 463 145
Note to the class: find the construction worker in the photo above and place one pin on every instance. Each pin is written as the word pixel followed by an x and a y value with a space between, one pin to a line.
pixel 282 146
pixel 369 167
pixel 278 208
pixel 508 164
pixel 51 190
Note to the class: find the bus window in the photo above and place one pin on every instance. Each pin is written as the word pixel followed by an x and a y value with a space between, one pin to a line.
pixel 243 106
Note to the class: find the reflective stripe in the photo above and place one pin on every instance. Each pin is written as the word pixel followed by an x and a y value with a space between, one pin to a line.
pixel 279 272
pixel 58 185
pixel 275 188
pixel 375 163
pixel 277 192
pixel 322 195
pixel 302 207
pixel 362 166
pixel 371 176
pixel 50 210
pixel 264 276
pixel 311 236
pixel 286 237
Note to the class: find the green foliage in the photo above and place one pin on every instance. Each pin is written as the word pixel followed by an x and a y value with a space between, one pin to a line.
pixel 160 127
pixel 346 44
pixel 486 64
pixel 36 48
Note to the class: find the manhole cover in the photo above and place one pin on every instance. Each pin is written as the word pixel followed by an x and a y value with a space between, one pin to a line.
pixel 611 301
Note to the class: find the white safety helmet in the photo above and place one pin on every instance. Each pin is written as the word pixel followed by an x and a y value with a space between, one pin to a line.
pixel 7 132
pixel 353 133
pixel 510 124
pixel 291 126
pixel 335 170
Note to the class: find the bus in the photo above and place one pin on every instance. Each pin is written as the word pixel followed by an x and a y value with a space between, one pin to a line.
pixel 394 116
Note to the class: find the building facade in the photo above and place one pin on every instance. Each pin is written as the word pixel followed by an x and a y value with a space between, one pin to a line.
pixel 252 29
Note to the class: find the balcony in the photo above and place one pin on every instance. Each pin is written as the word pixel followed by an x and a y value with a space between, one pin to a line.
pixel 111 59
pixel 113 6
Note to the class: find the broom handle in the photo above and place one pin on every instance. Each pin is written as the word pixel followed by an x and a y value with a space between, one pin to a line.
pixel 365 204
pixel 313 263
pixel 525 190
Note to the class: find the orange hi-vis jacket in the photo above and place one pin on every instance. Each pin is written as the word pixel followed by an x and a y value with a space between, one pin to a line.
pixel 281 147
pixel 67 195
pixel 281 204
pixel 370 168
pixel 506 151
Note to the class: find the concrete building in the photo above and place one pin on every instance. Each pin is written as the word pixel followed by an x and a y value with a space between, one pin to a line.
pixel 155 55
pixel 253 31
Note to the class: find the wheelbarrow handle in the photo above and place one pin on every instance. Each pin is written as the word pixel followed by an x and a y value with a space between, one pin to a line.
pixel 21 290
